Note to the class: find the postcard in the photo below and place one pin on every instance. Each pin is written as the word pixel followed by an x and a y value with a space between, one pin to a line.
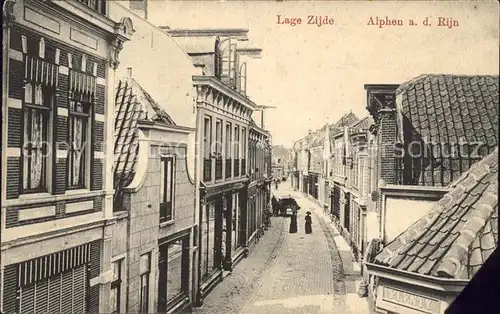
pixel 249 156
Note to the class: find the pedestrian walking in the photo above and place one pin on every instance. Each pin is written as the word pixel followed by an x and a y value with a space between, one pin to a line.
pixel 308 225
pixel 293 224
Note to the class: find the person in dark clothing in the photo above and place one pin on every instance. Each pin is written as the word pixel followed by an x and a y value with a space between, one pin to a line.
pixel 293 224
pixel 308 226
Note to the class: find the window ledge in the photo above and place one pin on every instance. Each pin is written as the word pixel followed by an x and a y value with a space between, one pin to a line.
pixel 76 191
pixel 38 198
pixel 120 214
pixel 167 223
pixel 34 196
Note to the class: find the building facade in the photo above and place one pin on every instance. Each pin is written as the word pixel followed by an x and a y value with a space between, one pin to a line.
pixel 440 140
pixel 435 152
pixel 224 114
pixel 259 189
pixel 427 266
pixel 154 206
pixel 58 104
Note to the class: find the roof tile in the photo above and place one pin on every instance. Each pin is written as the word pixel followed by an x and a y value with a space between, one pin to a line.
pixel 132 103
pixel 465 219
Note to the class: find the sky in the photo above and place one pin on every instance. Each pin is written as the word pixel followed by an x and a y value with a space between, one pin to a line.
pixel 314 75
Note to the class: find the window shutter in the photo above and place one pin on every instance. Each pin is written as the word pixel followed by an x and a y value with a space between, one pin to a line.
pixel 67 290
pixel 41 301
pixel 54 294
pixel 27 299
pixel 79 289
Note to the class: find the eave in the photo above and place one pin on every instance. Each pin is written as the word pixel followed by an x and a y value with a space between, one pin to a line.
pixel 239 33
pixel 213 82
pixel 415 279
pixel 145 124
pixel 428 192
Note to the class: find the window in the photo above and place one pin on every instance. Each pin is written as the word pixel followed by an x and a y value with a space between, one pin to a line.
pixel 174 282
pixel 218 137
pixel 116 287
pixel 208 137
pixel 229 139
pixel 167 177
pixel 208 240
pixel 173 273
pixel 78 128
pixel 236 142
pixel 38 101
pixel 243 143
pixel 145 269
pixel 39 90
pixel 354 171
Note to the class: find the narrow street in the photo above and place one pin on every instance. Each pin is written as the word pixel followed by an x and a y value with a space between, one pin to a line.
pixel 289 273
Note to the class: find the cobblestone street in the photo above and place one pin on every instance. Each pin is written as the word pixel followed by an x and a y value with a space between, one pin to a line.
pixel 289 273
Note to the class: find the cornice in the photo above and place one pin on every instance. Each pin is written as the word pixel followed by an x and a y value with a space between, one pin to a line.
pixel 212 82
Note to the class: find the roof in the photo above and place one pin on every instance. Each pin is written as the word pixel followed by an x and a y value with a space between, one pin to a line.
pixel 337 128
pixel 363 124
pixel 458 234
pixel 448 108
pixel 197 45
pixel 132 104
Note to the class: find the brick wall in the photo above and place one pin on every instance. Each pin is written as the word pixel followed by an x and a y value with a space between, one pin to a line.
pixel 60 122
pixel 387 137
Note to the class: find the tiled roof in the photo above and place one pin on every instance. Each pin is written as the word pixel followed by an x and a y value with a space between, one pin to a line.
pixel 447 108
pixel 461 231
pixel 347 120
pixel 337 128
pixel 363 124
pixel 132 103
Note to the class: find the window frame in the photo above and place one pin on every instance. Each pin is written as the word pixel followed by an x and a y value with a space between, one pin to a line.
pixel 207 138
pixel 166 206
pixel 243 143
pixel 87 139
pixel 46 111
pixel 165 257
pixel 236 143
pixel 117 284
pixel 145 276
pixel 218 137
pixel 229 140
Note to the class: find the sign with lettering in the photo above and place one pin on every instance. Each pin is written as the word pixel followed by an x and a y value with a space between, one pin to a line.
pixel 411 300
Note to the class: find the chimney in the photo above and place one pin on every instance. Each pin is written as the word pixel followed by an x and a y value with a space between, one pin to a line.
pixel 309 132
pixel 129 72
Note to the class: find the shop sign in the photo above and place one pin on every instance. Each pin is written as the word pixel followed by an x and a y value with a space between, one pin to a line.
pixel 411 300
